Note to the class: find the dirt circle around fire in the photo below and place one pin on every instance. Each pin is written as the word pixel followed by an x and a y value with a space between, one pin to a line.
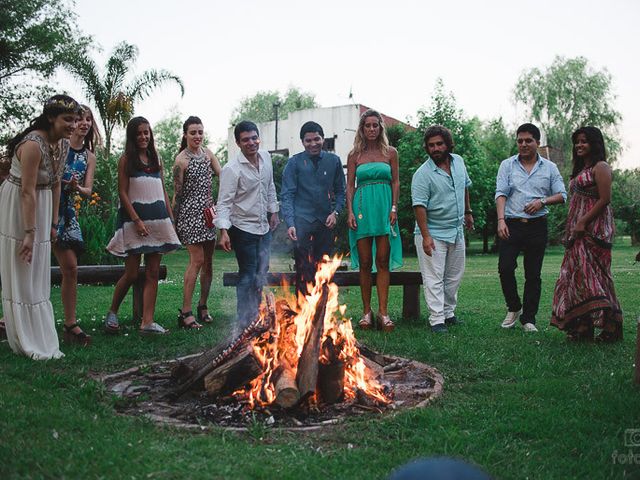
pixel 142 391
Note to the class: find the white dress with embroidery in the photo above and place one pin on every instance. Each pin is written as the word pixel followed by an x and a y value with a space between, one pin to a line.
pixel 26 288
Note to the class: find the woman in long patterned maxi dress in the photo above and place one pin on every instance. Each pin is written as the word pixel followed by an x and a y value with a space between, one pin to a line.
pixel 193 173
pixel 77 179
pixel 144 225
pixel 372 215
pixel 29 199
pixel 584 297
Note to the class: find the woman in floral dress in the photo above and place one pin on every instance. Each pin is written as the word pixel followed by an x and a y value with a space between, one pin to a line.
pixel 584 297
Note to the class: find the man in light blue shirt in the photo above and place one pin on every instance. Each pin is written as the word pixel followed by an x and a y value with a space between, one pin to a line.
pixel 440 199
pixel 526 184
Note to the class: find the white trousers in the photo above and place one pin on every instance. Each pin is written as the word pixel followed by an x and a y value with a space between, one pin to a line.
pixel 441 277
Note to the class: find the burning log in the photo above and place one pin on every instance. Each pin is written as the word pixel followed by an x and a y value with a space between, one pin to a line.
pixel 191 375
pixel 287 393
pixel 233 374
pixel 307 375
pixel 331 382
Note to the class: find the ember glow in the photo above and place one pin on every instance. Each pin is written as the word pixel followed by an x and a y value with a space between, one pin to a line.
pixel 280 348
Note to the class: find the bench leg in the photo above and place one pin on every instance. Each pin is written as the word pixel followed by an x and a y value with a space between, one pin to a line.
pixel 137 292
pixel 411 301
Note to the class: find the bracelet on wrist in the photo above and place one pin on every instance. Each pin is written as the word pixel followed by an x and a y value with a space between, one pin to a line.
pixel 30 230
pixel 501 218
pixel 468 212
pixel 394 209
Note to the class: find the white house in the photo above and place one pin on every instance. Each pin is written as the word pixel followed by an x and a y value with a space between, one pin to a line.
pixel 339 124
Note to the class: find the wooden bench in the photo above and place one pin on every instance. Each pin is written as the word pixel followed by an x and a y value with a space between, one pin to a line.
pixel 109 275
pixel 410 281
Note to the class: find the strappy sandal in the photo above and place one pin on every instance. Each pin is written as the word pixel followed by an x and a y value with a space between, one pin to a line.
pixel 384 322
pixel 366 322
pixel 204 318
pixel 111 324
pixel 79 338
pixel 3 330
pixel 182 316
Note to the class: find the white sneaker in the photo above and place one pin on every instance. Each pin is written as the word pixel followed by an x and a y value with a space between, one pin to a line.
pixel 529 327
pixel 511 319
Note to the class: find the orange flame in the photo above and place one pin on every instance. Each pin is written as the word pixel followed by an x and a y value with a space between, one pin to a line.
pixel 281 346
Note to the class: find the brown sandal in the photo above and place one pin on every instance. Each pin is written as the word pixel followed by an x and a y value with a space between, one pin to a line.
pixel 79 338
pixel 182 316
pixel 204 318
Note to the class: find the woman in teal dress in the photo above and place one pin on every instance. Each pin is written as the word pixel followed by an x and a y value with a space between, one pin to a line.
pixel 372 197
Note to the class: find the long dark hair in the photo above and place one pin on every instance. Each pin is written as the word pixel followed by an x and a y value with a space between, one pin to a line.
pixel 56 105
pixel 598 152
pixel 192 120
pixel 93 139
pixel 131 152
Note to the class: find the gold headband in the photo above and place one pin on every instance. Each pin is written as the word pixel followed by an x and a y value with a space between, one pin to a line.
pixel 61 103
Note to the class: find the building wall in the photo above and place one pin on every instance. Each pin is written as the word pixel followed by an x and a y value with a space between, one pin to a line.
pixel 339 123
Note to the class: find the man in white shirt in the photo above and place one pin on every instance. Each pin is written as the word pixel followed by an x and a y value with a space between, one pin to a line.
pixel 247 213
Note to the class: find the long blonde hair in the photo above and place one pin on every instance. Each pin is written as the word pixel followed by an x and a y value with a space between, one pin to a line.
pixel 360 142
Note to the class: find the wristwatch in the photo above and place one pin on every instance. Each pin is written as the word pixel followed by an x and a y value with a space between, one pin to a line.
pixel 543 201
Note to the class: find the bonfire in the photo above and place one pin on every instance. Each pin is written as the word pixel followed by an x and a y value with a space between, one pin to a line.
pixel 299 352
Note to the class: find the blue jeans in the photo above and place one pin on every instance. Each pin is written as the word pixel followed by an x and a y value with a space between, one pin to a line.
pixel 252 253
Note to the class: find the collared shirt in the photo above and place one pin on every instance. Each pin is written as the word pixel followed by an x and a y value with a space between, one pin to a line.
pixel 443 197
pixel 312 187
pixel 247 194
pixel 521 187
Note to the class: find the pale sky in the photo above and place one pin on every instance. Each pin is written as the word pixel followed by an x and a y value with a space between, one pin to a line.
pixel 388 53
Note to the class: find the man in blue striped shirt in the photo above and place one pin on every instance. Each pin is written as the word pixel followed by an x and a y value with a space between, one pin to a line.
pixel 526 185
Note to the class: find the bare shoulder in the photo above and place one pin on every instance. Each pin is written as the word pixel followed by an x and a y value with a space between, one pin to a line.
pixel 181 160
pixel 393 153
pixel 602 167
pixel 210 154
pixel 29 149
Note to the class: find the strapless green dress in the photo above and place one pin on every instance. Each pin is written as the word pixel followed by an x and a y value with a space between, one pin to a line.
pixel 372 205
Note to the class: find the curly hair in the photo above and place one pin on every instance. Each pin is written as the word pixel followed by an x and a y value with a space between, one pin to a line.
pixel 444 132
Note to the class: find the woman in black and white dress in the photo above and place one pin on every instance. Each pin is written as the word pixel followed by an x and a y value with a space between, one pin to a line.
pixel 193 178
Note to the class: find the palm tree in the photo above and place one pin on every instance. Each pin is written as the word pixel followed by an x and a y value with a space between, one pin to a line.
pixel 114 99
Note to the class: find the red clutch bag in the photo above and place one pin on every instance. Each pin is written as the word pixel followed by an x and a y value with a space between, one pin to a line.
pixel 209 216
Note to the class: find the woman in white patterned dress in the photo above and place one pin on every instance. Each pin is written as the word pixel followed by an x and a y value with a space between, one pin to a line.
pixel 144 225
pixel 193 178
pixel 28 218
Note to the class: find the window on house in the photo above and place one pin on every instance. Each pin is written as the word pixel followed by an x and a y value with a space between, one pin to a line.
pixel 329 144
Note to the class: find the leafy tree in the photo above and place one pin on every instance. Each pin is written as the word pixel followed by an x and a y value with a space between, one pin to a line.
pixel 260 107
pixel 167 134
pixel 36 37
pixel 113 98
pixel 626 201
pixel 497 144
pixel 466 132
pixel 567 95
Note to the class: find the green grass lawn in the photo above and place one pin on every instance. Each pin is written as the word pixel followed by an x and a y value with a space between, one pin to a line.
pixel 519 405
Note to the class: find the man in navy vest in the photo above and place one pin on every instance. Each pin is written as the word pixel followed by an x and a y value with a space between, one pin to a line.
pixel 312 197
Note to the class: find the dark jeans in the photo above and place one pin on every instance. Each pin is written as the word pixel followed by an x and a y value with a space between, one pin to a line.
pixel 314 241
pixel 252 253
pixel 530 239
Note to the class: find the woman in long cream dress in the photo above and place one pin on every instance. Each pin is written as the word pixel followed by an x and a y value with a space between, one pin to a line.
pixel 28 217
